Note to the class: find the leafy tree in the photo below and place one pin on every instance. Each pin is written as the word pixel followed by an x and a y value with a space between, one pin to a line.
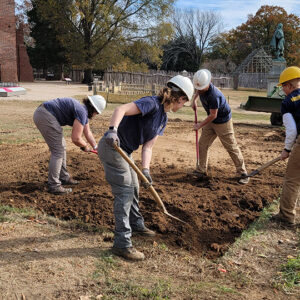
pixel 193 31
pixel 47 51
pixel 87 27
pixel 257 32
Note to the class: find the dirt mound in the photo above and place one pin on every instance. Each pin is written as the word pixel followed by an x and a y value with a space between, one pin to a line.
pixel 216 210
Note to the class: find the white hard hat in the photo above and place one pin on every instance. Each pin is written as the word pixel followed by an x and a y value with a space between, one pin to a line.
pixel 184 84
pixel 98 102
pixel 201 79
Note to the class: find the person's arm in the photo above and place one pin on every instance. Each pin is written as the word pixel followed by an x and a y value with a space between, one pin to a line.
pixel 146 159
pixel 76 136
pixel 128 109
pixel 212 115
pixel 194 100
pixel 89 136
pixel 147 153
pixel 290 134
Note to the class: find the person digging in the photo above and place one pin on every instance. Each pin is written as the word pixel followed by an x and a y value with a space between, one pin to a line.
pixel 131 125
pixel 290 109
pixel 49 118
pixel 217 124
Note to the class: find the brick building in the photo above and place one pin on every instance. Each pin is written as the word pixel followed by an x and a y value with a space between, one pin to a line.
pixel 14 61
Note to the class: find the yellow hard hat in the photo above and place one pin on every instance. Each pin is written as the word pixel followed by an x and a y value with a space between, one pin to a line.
pixel 289 74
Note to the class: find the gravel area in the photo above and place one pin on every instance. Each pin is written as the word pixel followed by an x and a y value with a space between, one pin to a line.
pixel 47 90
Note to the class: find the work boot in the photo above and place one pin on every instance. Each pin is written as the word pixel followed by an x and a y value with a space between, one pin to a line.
pixel 200 175
pixel 60 190
pixel 144 232
pixel 244 179
pixel 279 219
pixel 70 181
pixel 129 253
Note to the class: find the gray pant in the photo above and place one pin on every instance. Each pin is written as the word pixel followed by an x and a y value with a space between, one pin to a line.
pixel 53 135
pixel 125 188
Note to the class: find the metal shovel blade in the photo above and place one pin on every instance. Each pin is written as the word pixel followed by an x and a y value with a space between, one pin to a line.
pixel 143 178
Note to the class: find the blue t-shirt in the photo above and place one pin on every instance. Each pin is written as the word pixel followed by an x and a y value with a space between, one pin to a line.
pixel 214 99
pixel 291 104
pixel 136 130
pixel 66 110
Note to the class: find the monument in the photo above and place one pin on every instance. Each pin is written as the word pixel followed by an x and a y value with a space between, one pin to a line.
pixel 278 62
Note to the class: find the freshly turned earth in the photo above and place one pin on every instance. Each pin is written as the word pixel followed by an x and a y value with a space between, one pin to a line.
pixel 216 210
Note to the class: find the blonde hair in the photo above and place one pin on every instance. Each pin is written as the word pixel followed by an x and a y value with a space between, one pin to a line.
pixel 168 96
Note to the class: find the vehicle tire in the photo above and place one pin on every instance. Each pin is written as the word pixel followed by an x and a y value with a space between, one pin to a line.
pixel 276 119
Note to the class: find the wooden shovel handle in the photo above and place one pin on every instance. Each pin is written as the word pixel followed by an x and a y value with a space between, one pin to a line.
pixel 266 165
pixel 142 176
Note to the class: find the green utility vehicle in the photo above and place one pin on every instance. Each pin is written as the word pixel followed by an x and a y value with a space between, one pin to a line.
pixel 270 104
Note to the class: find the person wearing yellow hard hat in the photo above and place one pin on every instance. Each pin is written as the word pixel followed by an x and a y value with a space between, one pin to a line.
pixel 290 110
pixel 49 118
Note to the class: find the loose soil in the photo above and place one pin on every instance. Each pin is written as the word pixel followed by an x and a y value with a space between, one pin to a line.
pixel 216 210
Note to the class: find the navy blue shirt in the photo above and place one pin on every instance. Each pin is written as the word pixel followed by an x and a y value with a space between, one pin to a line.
pixel 66 110
pixel 291 104
pixel 214 99
pixel 136 130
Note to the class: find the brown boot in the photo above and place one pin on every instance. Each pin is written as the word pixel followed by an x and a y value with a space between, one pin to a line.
pixel 128 253
pixel 279 219
pixel 60 190
pixel 144 231
pixel 70 181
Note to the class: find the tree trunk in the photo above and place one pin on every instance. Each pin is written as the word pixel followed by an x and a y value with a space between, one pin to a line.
pixel 88 78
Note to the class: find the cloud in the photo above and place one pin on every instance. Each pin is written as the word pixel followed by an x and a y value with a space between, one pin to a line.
pixel 235 12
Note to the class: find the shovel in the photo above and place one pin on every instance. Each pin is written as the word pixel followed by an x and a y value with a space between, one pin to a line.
pixel 266 165
pixel 197 141
pixel 144 179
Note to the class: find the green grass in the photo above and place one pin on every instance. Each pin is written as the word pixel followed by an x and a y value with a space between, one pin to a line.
pixel 9 214
pixel 289 276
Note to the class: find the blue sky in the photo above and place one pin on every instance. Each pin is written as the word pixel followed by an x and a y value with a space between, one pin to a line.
pixel 235 12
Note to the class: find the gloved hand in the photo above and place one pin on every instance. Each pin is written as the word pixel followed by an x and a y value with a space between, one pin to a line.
pixel 146 173
pixel 111 137
pixel 86 148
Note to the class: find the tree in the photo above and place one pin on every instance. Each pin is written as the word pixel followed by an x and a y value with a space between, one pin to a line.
pixel 87 27
pixel 193 30
pixel 46 51
pixel 257 32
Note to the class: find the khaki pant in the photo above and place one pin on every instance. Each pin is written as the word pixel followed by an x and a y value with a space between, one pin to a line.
pixel 53 135
pixel 225 133
pixel 291 185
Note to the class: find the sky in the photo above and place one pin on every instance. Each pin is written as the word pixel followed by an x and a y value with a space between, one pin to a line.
pixel 235 12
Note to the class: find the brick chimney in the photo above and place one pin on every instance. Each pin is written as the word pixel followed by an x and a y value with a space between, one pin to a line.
pixel 8 53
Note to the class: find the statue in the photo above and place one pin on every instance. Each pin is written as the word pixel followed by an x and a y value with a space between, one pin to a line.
pixel 277 43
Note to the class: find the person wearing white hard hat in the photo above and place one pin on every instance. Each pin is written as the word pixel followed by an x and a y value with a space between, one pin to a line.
pixel 290 109
pixel 217 124
pixel 133 124
pixel 49 118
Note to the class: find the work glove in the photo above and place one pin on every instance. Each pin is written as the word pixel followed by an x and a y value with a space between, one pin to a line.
pixel 111 137
pixel 146 173
pixel 85 148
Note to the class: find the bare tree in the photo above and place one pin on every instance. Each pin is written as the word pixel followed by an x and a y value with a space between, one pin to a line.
pixel 193 30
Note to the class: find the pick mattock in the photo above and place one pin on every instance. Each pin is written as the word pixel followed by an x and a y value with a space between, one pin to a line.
pixel 266 165
pixel 197 141
pixel 144 179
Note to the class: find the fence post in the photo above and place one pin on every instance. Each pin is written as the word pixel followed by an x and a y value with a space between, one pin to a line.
pixel 153 89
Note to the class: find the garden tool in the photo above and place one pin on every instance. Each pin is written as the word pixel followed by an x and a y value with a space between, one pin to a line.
pixel 142 176
pixel 144 179
pixel 197 141
pixel 266 165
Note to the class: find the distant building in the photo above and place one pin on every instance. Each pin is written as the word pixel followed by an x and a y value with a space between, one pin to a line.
pixel 14 61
